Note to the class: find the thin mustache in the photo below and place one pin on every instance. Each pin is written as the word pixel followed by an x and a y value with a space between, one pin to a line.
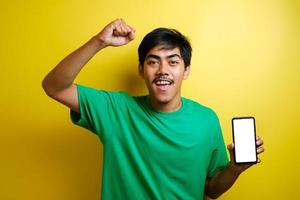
pixel 162 79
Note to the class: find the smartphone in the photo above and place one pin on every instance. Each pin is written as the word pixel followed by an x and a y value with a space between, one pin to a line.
pixel 244 139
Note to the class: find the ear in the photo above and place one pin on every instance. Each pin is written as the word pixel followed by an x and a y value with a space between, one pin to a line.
pixel 141 71
pixel 186 72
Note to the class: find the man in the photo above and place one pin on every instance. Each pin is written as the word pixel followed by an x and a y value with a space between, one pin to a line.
pixel 157 146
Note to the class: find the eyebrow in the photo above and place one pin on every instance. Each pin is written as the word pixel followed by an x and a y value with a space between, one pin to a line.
pixel 157 57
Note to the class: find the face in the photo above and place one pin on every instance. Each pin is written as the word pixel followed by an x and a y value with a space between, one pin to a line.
pixel 163 72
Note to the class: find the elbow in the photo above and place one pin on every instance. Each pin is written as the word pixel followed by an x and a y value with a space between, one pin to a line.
pixel 212 192
pixel 44 86
pixel 47 89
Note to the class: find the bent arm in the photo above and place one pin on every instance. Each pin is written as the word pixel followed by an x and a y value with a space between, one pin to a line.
pixel 221 182
pixel 224 179
pixel 58 83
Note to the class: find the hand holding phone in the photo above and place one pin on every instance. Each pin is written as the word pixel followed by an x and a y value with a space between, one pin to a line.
pixel 244 139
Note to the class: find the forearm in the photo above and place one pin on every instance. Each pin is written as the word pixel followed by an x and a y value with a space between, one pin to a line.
pixel 221 182
pixel 63 75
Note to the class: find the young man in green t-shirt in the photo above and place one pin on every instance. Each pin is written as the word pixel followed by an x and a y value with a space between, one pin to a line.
pixel 157 146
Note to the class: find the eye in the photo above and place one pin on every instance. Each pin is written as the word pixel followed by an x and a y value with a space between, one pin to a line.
pixel 173 62
pixel 152 62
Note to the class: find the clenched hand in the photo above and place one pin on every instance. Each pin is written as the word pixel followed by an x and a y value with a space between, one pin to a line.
pixel 116 33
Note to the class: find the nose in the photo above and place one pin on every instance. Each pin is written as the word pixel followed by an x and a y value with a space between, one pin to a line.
pixel 163 68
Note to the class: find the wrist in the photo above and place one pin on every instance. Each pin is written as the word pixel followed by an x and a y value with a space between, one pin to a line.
pixel 97 43
pixel 234 170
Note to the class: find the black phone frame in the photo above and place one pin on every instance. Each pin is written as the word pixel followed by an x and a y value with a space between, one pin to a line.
pixel 247 117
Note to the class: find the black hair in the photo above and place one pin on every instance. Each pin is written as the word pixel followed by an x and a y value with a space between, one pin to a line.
pixel 170 39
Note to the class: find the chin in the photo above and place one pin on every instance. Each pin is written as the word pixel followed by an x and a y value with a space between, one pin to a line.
pixel 162 99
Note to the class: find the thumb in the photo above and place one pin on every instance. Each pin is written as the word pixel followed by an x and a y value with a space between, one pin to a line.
pixel 131 35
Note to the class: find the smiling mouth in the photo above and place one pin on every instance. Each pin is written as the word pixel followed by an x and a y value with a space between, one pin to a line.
pixel 162 81
pixel 163 84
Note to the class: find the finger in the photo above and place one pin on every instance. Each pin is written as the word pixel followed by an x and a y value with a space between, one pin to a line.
pixel 109 28
pixel 113 24
pixel 122 31
pixel 131 28
pixel 260 150
pixel 131 35
pixel 119 31
pixel 230 146
pixel 123 23
pixel 125 29
pixel 258 160
pixel 116 26
pixel 259 142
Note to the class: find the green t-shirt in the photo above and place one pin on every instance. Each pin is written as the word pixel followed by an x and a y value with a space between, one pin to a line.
pixel 149 154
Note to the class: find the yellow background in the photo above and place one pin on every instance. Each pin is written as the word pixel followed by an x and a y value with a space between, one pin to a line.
pixel 245 62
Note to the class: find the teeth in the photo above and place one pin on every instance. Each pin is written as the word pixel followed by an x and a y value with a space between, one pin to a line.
pixel 163 82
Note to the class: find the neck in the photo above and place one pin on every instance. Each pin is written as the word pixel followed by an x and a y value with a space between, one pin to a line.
pixel 171 106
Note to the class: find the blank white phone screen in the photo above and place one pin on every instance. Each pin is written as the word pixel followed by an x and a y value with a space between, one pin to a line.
pixel 244 140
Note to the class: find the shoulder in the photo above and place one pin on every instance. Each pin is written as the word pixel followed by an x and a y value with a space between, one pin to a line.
pixel 200 109
pixel 98 95
pixel 94 91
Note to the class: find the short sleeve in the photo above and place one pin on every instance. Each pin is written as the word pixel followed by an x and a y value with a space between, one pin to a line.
pixel 98 111
pixel 219 157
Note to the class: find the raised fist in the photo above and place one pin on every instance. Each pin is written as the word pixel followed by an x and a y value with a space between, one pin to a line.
pixel 116 33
